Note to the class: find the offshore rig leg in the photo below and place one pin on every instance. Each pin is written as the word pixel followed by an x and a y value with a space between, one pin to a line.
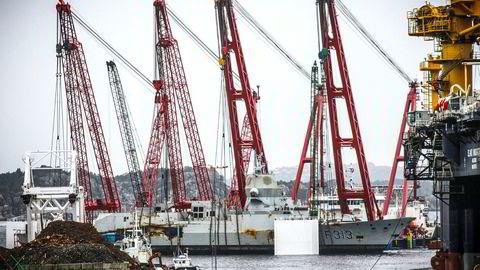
pixel 462 238
pixel 471 225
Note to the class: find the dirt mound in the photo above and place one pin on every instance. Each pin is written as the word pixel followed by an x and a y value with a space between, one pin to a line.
pixel 65 242
pixel 67 233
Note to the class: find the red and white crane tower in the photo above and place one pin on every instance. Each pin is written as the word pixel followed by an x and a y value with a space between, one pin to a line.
pixel 410 105
pixel 81 105
pixel 331 39
pixel 172 91
pixel 249 139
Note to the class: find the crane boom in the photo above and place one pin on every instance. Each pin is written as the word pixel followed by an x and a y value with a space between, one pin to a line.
pixel 182 94
pixel 231 52
pixel 328 20
pixel 126 131
pixel 155 148
pixel 81 101
pixel 172 91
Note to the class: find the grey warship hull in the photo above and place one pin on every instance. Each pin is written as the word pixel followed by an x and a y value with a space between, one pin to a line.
pixel 253 233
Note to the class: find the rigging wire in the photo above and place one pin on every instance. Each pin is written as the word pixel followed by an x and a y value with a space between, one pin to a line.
pixel 270 39
pixel 365 42
pixel 208 51
pixel 59 134
pixel 196 39
pixel 266 42
pixel 371 40
pixel 112 50
pixel 219 151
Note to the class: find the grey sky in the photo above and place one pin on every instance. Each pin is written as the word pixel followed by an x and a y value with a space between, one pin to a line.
pixel 27 71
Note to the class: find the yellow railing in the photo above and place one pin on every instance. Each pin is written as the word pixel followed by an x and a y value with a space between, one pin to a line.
pixel 427 26
pixel 426 20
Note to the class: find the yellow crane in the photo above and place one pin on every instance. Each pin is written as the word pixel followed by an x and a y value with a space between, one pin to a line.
pixel 453 29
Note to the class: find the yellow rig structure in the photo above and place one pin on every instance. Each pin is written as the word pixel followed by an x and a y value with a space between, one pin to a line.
pixel 453 29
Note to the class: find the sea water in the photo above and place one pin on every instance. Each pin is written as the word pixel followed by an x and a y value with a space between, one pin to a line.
pixel 396 259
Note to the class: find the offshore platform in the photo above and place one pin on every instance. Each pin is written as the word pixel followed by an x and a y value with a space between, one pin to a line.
pixel 443 144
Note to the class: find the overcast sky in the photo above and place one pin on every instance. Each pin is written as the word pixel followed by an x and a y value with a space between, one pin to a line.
pixel 28 66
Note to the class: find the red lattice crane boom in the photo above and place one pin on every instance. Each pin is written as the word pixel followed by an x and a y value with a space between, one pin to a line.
pixel 328 17
pixel 81 101
pixel 155 147
pixel 172 91
pixel 231 52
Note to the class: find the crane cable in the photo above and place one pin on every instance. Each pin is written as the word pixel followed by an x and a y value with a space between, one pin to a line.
pixel 210 53
pixel 196 39
pixel 371 40
pixel 270 39
pixel 103 42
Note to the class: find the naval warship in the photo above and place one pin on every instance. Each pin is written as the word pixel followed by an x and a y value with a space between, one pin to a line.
pixel 250 230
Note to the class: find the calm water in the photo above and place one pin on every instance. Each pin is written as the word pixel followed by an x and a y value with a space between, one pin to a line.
pixel 403 259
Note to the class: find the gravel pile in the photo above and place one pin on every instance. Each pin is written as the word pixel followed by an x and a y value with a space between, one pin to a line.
pixel 65 242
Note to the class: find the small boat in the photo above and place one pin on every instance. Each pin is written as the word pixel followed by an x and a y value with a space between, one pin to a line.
pixel 182 262
pixel 155 262
pixel 135 244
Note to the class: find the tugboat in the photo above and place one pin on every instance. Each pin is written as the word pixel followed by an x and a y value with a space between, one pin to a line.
pixel 135 244
pixel 182 262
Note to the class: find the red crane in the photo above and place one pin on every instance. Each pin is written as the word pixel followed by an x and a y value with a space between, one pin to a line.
pixel 172 89
pixel 410 106
pixel 81 103
pixel 250 140
pixel 332 40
